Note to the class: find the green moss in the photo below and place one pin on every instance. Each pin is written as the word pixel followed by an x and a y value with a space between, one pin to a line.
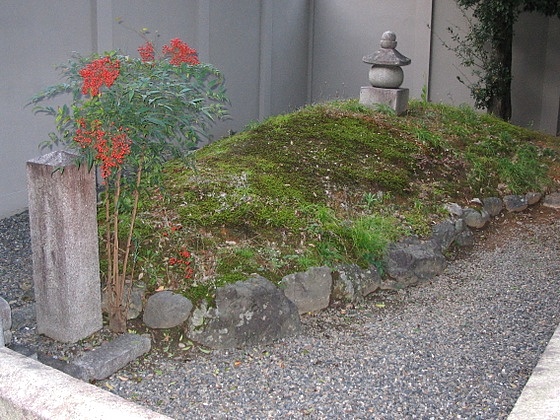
pixel 331 183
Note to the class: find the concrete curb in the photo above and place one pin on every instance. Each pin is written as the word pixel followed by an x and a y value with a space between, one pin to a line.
pixel 31 390
pixel 540 398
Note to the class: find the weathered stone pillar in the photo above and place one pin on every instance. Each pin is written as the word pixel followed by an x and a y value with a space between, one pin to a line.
pixel 64 241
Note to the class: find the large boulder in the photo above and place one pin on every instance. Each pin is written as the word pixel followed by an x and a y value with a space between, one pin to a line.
pixel 309 290
pixel 411 261
pixel 247 313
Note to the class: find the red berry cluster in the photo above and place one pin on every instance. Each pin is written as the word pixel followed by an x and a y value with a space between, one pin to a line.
pixel 99 72
pixel 111 149
pixel 180 52
pixel 184 261
pixel 147 52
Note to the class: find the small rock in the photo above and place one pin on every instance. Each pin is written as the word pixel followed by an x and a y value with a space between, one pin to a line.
pixel 493 205
pixel 515 203
pixel 108 358
pixel 552 200
pixel 166 310
pixel 24 316
pixel 454 209
pixel 475 219
pixel 310 290
pixel 135 301
pixel 533 198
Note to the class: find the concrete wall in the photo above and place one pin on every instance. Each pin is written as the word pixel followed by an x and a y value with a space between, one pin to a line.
pixel 536 79
pixel 35 35
pixel 346 30
pixel 444 69
pixel 276 55
pixel 260 45
pixel 536 60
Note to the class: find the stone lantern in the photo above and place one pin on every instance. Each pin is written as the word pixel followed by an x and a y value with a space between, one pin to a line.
pixel 386 76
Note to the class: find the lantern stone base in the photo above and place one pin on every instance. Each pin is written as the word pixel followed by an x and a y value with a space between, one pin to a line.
pixel 397 99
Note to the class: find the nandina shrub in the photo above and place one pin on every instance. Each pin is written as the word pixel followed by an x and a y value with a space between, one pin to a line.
pixel 128 116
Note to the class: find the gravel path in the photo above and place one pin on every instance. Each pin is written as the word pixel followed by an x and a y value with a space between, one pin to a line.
pixel 460 346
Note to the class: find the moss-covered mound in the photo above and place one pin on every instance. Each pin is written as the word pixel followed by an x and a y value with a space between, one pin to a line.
pixel 327 184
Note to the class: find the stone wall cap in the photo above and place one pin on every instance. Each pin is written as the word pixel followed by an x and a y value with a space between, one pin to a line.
pixel 56 158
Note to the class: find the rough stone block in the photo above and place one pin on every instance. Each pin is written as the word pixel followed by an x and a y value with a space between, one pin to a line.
pixel 475 219
pixel 493 205
pixel 64 241
pixel 352 283
pixel 61 365
pixel 111 357
pixel 533 198
pixel 444 234
pixel 311 290
pixel 465 238
pixel 413 260
pixel 396 99
pixel 515 203
pixel 251 312
pixel 552 200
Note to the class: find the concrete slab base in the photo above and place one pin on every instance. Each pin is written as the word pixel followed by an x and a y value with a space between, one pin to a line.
pixel 540 398
pixel 31 390
pixel 397 99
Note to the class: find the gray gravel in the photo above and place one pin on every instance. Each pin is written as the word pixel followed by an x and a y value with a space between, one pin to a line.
pixel 15 260
pixel 460 346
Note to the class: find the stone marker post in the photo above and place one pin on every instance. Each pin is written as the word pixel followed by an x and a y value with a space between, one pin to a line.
pixel 386 76
pixel 64 241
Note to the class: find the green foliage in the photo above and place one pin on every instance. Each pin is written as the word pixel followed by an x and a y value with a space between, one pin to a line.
pixel 486 49
pixel 430 139
pixel 129 116
pixel 166 109
pixel 384 109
